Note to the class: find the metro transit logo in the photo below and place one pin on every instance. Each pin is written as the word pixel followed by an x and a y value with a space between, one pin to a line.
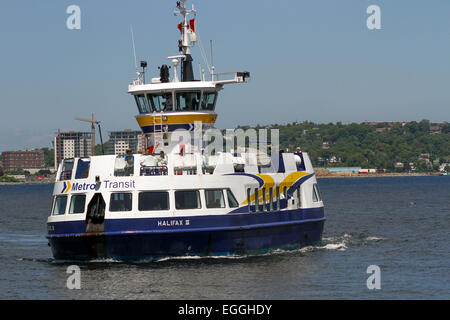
pixel 108 185
pixel 67 187
pixel 78 186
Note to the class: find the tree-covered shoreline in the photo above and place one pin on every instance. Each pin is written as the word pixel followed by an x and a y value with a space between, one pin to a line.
pixel 407 146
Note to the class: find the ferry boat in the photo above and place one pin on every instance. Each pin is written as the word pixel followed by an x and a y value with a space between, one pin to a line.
pixel 173 199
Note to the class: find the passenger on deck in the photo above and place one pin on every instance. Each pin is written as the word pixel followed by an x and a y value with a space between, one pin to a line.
pixel 203 161
pixel 299 160
pixel 129 160
pixel 182 146
pixel 162 159
pixel 152 148
pixel 167 105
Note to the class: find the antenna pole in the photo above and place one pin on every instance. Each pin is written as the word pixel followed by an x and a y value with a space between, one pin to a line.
pixel 93 135
pixel 187 73
pixel 212 60
pixel 134 48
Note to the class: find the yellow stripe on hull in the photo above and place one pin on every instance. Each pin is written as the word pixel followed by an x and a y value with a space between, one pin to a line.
pixel 149 120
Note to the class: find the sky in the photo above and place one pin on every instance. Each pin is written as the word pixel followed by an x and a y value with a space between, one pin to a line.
pixel 310 60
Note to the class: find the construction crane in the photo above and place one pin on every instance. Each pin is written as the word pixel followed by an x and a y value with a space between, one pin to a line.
pixel 93 122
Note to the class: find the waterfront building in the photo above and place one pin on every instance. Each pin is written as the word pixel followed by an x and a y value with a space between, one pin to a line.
pixel 72 144
pixel 121 141
pixel 30 160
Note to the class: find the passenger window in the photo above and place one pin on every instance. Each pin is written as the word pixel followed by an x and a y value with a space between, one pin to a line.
pixel 77 203
pixel 120 202
pixel 59 207
pixel 142 103
pixel 82 169
pixel 271 202
pixel 153 201
pixel 214 199
pixel 276 205
pixel 232 202
pixel 264 208
pixel 209 100
pixel 188 199
pixel 66 171
pixel 299 197
pixel 188 101
pixel 249 191
pixel 256 200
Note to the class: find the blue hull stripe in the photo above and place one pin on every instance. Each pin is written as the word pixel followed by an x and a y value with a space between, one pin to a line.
pixel 134 239
pixel 204 223
pixel 265 225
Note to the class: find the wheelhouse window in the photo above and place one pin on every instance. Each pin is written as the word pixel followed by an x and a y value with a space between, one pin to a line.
pixel 161 102
pixel 82 169
pixel 153 201
pixel 59 207
pixel 77 203
pixel 316 193
pixel 209 100
pixel 188 101
pixel 142 103
pixel 66 171
pixel 214 198
pixel 187 199
pixel 232 202
pixel 120 202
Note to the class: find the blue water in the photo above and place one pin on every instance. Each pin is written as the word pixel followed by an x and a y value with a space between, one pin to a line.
pixel 399 224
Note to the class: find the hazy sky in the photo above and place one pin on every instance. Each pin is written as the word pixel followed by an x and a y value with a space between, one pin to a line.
pixel 312 60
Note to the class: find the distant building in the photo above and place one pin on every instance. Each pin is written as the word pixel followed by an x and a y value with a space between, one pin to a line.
pixel 444 166
pixel 341 170
pixel 120 141
pixel 72 144
pixel 399 165
pixel 23 160
pixel 335 159
pixel 385 124
pixel 435 128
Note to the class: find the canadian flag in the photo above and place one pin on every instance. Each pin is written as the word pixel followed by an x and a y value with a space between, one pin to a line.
pixel 192 25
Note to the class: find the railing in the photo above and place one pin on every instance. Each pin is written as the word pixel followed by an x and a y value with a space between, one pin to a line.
pixel 184 171
pixel 153 171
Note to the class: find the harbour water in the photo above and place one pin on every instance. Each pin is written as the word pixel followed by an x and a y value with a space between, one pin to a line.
pixel 400 224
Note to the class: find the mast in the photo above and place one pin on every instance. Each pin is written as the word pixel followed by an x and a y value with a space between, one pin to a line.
pixel 186 28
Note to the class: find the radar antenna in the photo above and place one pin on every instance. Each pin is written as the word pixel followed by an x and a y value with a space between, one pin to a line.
pixel 187 29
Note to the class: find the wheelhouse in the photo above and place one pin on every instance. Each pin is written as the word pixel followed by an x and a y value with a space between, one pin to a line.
pixel 176 100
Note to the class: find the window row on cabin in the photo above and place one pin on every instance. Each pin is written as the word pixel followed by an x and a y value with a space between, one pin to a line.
pixel 82 171
pixel 150 201
pixel 185 101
